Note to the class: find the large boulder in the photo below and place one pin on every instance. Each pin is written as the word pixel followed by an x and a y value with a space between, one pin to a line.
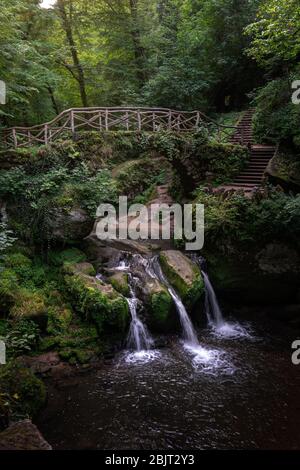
pixel 23 435
pixel 264 277
pixel 95 300
pixel 70 226
pixel 183 275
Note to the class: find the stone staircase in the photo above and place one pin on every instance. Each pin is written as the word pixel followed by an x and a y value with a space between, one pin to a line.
pixel 260 155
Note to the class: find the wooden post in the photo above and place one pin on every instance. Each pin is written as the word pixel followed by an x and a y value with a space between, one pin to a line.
pixel 153 122
pixel 15 137
pixel 170 120
pixel 100 121
pixel 127 121
pixel 72 122
pixel 106 119
pixel 46 134
pixel 139 121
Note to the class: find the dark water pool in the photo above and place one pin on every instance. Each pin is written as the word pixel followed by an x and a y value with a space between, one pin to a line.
pixel 248 399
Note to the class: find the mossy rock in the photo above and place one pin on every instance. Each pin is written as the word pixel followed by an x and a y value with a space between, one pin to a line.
pixel 83 268
pixel 119 281
pixel 183 275
pixel 70 255
pixel 76 356
pixel 22 393
pixel 98 302
pixel 59 319
pixel 30 305
pixel 161 305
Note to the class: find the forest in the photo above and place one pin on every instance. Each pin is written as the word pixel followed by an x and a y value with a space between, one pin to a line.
pixel 172 102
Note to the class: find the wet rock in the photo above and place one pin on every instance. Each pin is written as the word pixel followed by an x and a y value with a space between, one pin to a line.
pixel 97 301
pixel 119 281
pixel 41 364
pixel 23 435
pixel 183 275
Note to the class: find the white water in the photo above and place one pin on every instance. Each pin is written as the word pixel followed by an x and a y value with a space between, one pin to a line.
pixel 205 360
pixel 212 308
pixel 215 319
pixel 189 334
pixel 139 338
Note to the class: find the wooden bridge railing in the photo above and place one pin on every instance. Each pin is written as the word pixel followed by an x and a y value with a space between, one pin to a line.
pixel 75 120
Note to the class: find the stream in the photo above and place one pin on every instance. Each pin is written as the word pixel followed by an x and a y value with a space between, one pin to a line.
pixel 246 396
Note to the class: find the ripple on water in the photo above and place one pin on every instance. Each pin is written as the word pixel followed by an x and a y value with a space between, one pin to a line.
pixel 141 357
pixel 231 330
pixel 210 361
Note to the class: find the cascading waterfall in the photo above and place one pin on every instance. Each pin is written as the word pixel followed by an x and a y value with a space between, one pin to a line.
pixel 213 311
pixel 139 338
pixel 205 360
pixel 212 308
pixel 189 334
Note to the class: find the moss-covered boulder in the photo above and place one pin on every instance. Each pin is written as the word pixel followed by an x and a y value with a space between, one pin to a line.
pixel 119 281
pixel 183 275
pixel 30 305
pixel 22 394
pixel 263 276
pixel 97 302
pixel 69 255
pixel 161 307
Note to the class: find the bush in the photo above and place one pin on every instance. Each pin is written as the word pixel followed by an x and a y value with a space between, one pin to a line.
pixel 22 337
pixel 276 117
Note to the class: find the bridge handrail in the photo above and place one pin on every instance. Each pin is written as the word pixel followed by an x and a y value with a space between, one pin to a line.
pixel 177 120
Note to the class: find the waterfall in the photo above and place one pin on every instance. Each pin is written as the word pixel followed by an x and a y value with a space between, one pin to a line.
pixel 212 308
pixel 189 334
pixel 139 338
pixel 215 319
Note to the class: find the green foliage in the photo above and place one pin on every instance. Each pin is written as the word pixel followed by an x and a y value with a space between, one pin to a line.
pixel 28 304
pixel 22 394
pixel 276 117
pixel 237 220
pixel 275 32
pixel 23 337
pixel 6 238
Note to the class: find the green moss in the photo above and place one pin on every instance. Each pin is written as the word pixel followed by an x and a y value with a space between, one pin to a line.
pixel 84 268
pixel 8 287
pixel 28 305
pixel 183 275
pixel 70 255
pixel 59 319
pixel 21 393
pixel 161 307
pixel 20 263
pixel 98 302
pixel 119 281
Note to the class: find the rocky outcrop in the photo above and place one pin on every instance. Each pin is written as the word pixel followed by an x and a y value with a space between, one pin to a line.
pixel 267 276
pixel 119 281
pixel 183 275
pixel 95 300
pixel 23 435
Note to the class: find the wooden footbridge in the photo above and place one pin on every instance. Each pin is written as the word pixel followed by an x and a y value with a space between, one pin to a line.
pixel 75 120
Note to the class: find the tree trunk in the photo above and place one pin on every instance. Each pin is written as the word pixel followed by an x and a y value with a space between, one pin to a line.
pixel 67 26
pixel 53 100
pixel 139 51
